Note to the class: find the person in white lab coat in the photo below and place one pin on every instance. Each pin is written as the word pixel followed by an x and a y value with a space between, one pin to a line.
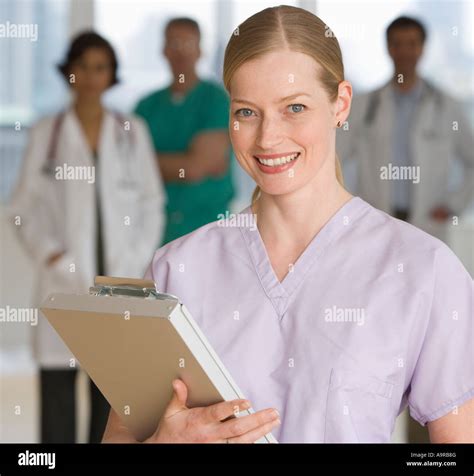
pixel 90 201
pixel 405 137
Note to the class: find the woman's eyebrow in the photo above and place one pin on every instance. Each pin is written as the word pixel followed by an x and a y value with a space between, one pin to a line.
pixel 243 101
pixel 286 98
pixel 293 96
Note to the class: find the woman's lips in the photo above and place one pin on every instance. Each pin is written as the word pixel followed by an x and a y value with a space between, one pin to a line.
pixel 276 168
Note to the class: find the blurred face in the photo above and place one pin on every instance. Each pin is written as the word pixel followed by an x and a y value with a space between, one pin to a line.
pixel 405 47
pixel 93 73
pixel 182 48
pixel 282 123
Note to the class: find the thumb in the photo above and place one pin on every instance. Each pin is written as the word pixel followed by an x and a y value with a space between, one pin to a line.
pixel 178 401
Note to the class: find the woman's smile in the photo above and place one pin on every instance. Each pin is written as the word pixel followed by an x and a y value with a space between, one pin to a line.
pixel 276 163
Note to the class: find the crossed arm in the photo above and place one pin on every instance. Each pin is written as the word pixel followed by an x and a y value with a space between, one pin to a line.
pixel 207 156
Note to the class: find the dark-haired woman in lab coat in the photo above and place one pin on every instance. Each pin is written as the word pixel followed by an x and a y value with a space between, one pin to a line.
pixel 89 202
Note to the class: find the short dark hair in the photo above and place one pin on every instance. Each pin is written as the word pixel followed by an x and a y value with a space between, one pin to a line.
pixel 407 22
pixel 82 42
pixel 184 21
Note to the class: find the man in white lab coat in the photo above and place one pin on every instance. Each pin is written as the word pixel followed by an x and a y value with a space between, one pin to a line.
pixel 405 137
pixel 89 201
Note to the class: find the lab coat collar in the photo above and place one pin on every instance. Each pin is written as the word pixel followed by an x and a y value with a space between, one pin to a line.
pixel 72 124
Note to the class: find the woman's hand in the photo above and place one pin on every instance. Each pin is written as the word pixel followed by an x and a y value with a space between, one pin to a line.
pixel 441 213
pixel 54 257
pixel 181 424
pixel 211 424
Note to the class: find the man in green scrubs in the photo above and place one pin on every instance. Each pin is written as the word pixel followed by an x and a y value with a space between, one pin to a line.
pixel 188 122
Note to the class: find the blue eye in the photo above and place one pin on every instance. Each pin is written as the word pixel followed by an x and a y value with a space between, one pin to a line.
pixel 244 112
pixel 296 108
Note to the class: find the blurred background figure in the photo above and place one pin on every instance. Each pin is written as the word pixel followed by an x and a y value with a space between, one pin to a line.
pixel 188 121
pixel 89 202
pixel 405 137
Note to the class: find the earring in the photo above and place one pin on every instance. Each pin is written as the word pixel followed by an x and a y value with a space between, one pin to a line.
pixel 338 123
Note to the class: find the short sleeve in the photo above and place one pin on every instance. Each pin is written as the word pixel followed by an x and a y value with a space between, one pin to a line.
pixel 443 377
pixel 158 270
pixel 216 113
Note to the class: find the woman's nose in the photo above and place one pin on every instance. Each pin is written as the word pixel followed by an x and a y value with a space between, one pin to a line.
pixel 269 134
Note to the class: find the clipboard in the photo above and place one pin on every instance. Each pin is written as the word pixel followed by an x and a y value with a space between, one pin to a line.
pixel 133 341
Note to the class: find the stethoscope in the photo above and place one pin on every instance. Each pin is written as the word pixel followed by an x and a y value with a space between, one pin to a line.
pixel 429 131
pixel 125 140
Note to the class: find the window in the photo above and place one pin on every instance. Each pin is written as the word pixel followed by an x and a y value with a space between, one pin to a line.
pixel 34 35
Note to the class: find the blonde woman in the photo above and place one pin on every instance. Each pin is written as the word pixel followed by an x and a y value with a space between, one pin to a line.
pixel 331 315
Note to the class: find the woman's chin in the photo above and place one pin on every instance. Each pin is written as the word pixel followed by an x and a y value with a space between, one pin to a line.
pixel 276 190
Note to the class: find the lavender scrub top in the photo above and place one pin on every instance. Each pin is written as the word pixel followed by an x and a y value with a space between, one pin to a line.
pixel 375 315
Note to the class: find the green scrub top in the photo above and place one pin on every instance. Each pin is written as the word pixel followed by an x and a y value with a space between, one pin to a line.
pixel 173 125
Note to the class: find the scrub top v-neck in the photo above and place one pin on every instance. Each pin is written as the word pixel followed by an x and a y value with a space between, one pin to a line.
pixel 349 338
pixel 280 292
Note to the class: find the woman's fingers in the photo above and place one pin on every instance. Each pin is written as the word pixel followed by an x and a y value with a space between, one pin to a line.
pixel 178 401
pixel 53 258
pixel 254 435
pixel 180 391
pixel 220 411
pixel 242 425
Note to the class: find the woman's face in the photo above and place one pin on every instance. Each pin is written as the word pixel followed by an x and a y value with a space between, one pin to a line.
pixel 282 124
pixel 92 73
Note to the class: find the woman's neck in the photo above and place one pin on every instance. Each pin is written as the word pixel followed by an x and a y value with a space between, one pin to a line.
pixel 88 111
pixel 293 220
pixel 90 115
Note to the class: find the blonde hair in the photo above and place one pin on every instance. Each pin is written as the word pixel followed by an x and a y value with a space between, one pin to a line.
pixel 293 28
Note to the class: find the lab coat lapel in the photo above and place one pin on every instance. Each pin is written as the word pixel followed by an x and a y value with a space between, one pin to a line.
pixel 80 197
pixel 385 126
pixel 106 145
pixel 79 149
pixel 432 158
pixel 419 134
pixel 381 137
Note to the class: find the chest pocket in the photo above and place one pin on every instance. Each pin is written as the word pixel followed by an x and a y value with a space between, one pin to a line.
pixel 359 407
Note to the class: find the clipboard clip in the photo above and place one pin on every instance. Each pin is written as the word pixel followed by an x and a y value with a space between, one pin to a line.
pixel 142 288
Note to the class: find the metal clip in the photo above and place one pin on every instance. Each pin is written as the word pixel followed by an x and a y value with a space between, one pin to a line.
pixel 111 286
